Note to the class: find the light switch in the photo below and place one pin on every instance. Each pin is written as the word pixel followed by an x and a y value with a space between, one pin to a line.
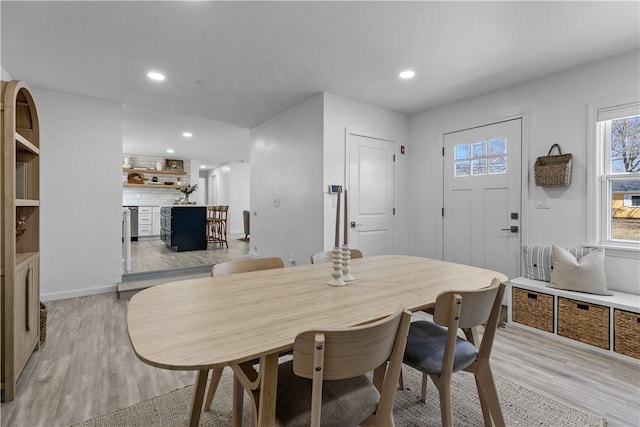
pixel 542 204
pixel 276 202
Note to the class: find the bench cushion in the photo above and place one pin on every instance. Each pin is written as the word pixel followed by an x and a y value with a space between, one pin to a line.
pixel 538 260
pixel 584 274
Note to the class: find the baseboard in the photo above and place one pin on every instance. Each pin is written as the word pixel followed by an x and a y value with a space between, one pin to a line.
pixel 163 274
pixel 54 296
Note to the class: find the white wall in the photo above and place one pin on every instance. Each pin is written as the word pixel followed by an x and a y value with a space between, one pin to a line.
pixel 4 75
pixel 286 155
pixel 232 189
pixel 555 110
pixel 239 199
pixel 340 114
pixel 81 194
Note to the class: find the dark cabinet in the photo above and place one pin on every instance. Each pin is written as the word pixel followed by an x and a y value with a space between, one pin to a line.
pixel 183 228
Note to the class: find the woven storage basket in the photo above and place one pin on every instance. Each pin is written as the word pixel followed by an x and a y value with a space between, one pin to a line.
pixel 626 335
pixel 43 323
pixel 553 170
pixel 584 322
pixel 533 309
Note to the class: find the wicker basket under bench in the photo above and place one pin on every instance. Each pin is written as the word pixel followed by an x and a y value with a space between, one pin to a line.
pixel 608 323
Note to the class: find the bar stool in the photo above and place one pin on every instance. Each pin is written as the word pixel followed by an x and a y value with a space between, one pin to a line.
pixel 211 216
pixel 220 225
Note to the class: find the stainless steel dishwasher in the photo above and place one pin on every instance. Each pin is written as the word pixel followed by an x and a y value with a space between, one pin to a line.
pixel 134 222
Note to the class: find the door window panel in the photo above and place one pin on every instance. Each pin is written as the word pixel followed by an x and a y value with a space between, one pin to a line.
pixel 462 168
pixel 477 158
pixel 479 167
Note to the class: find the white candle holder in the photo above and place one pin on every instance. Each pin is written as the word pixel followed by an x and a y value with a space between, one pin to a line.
pixel 336 257
pixel 346 264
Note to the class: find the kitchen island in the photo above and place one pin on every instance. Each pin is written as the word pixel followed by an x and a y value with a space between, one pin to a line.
pixel 183 227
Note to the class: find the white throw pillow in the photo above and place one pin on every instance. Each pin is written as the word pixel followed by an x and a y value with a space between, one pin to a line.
pixel 584 274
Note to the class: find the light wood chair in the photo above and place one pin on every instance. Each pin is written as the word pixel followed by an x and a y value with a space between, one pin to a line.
pixel 435 349
pixel 325 256
pixel 224 269
pixel 325 383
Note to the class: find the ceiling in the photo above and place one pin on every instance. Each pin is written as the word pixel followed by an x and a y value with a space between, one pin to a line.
pixel 232 65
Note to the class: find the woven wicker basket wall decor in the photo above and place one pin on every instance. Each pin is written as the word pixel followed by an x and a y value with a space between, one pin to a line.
pixel 553 170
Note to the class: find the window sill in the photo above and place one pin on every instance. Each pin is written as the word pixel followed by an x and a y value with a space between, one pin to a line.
pixel 617 250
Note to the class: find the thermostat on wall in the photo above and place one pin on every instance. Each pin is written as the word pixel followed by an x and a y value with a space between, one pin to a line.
pixel 335 189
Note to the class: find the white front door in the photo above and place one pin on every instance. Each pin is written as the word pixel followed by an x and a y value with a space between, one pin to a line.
pixel 482 185
pixel 370 185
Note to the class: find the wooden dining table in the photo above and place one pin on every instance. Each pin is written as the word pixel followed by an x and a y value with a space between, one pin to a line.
pixel 204 323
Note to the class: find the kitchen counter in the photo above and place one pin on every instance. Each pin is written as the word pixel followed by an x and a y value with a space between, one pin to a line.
pixel 184 227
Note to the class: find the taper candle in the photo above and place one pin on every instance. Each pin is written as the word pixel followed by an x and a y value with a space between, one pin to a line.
pixel 346 219
pixel 337 239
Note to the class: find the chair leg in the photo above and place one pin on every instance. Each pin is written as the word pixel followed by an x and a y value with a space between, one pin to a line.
pixel 444 391
pixel 486 415
pixel 216 374
pixel 401 381
pixel 484 381
pixel 423 390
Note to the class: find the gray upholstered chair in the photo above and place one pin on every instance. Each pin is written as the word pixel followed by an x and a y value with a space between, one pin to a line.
pixel 224 269
pixel 326 256
pixel 325 383
pixel 435 349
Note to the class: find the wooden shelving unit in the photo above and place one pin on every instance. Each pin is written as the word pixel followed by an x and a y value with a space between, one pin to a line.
pixel 154 172
pixel 173 186
pixel 19 254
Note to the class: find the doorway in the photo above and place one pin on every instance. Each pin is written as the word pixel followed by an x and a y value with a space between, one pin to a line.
pixel 482 196
pixel 371 184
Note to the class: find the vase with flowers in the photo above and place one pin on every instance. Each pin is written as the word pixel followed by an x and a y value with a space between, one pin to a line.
pixel 187 189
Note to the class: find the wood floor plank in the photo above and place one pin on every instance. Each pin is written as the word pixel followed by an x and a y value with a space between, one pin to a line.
pixel 87 368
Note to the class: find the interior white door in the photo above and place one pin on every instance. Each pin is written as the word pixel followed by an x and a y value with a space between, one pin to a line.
pixel 370 185
pixel 482 186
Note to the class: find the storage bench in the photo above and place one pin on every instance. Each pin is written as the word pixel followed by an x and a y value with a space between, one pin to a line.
pixel 610 323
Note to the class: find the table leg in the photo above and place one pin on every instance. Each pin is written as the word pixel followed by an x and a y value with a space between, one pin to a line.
pixel 198 397
pixel 268 390
pixel 238 396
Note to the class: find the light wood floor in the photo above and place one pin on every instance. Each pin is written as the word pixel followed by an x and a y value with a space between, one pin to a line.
pixel 87 368
pixel 153 254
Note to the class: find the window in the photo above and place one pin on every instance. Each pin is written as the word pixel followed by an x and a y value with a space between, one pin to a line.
pixel 618 188
pixel 481 158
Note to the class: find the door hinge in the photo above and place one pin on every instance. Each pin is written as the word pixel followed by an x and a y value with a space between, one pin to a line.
pixel 442 211
pixel 394 211
pixel 442 151
pixel 394 158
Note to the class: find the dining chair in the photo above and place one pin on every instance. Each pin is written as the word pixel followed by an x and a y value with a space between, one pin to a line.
pixel 325 256
pixel 326 383
pixel 225 269
pixel 435 349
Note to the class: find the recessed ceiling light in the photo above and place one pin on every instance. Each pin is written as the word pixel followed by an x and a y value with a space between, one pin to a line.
pixel 203 167
pixel 187 134
pixel 170 150
pixel 407 74
pixel 154 75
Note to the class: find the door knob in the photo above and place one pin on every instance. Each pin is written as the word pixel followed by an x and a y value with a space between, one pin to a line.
pixel 354 225
pixel 513 229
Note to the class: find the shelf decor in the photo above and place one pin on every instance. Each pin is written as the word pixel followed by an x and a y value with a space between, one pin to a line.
pixel 187 189
pixel 174 165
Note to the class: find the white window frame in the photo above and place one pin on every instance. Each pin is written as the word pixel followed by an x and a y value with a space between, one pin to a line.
pixel 599 175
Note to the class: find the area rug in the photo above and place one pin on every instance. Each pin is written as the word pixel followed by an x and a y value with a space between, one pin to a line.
pixel 520 407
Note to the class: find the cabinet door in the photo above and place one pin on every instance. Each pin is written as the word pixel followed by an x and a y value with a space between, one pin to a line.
pixel 26 313
pixel 156 224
